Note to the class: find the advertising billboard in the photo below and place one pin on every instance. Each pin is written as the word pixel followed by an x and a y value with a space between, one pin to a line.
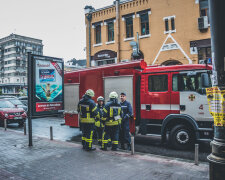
pixel 47 94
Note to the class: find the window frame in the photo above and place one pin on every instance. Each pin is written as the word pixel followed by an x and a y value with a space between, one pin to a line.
pixel 110 31
pixel 157 75
pixel 129 27
pixel 145 23
pixel 98 38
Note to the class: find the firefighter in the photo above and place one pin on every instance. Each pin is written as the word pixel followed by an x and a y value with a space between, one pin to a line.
pixel 99 125
pixel 88 112
pixel 112 113
pixel 125 138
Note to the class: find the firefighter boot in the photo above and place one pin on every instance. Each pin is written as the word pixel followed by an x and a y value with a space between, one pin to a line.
pixel 128 147
pixel 90 149
pixel 122 146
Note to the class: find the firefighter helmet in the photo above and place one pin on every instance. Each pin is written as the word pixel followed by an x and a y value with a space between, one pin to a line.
pixel 113 95
pixel 100 98
pixel 90 93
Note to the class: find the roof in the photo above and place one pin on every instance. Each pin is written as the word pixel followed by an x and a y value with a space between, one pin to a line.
pixel 130 64
pixel 110 6
pixel 187 67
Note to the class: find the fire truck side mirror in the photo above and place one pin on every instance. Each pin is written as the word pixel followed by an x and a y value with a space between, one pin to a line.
pixel 205 80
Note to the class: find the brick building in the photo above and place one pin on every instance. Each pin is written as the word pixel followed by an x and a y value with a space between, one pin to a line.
pixel 160 31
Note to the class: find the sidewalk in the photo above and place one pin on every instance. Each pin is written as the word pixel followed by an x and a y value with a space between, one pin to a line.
pixel 57 160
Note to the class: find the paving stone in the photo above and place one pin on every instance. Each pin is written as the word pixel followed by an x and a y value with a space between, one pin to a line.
pixel 57 160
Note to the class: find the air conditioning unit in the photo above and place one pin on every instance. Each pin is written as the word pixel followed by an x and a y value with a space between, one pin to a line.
pixel 203 23
pixel 201 62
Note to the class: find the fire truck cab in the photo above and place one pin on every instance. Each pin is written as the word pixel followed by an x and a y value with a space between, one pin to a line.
pixel 167 100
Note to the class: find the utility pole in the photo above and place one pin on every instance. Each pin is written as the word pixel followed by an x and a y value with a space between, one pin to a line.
pixel 217 24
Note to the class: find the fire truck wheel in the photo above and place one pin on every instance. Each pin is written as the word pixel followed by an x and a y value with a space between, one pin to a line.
pixel 181 137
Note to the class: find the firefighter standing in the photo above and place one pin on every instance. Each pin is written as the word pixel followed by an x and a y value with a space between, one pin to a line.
pixel 125 127
pixel 88 112
pixel 113 113
pixel 98 123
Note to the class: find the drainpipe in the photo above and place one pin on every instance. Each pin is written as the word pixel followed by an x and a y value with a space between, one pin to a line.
pixel 89 10
pixel 118 28
pixel 217 157
pixel 89 17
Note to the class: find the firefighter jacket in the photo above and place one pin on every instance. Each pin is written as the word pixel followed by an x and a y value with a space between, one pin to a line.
pixel 112 113
pixel 88 110
pixel 99 122
pixel 127 110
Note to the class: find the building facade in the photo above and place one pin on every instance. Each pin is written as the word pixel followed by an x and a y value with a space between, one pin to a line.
pixel 163 32
pixel 13 62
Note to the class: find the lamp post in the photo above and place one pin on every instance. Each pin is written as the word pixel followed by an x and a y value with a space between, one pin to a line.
pixel 217 14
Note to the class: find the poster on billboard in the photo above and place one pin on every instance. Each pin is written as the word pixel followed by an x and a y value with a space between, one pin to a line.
pixel 48 86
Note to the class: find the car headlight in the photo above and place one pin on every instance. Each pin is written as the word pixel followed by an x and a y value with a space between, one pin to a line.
pixel 6 115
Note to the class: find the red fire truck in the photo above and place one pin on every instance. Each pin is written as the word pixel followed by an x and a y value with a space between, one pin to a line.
pixel 167 100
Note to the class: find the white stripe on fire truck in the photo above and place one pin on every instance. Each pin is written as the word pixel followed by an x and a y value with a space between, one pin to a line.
pixel 161 106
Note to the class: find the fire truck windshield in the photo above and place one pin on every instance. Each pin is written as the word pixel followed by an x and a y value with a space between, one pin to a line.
pixel 186 82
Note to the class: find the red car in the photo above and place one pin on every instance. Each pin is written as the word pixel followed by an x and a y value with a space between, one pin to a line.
pixel 11 113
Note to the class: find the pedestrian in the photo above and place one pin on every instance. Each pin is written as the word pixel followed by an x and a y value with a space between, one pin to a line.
pixel 125 138
pixel 88 112
pixel 112 113
pixel 99 124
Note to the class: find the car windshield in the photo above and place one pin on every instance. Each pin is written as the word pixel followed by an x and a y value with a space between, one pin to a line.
pixel 16 101
pixel 6 104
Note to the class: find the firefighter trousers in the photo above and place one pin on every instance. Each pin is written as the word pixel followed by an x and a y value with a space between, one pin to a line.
pixel 99 132
pixel 125 132
pixel 87 135
pixel 110 132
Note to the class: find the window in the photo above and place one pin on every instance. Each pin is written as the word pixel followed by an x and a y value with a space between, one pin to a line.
pixel 172 24
pixel 185 82
pixel 169 24
pixel 204 8
pixel 144 24
pixel 158 83
pixel 166 25
pixel 204 53
pixel 103 62
pixel 98 34
pixel 129 27
pixel 110 31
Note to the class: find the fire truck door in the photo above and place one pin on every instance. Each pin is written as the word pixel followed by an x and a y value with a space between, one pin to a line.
pixel 71 99
pixel 119 84
pixel 193 100
pixel 156 101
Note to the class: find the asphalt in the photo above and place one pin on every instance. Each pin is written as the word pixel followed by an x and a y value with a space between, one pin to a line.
pixel 57 160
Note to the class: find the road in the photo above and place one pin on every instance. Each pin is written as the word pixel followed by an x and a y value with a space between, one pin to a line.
pixel 144 144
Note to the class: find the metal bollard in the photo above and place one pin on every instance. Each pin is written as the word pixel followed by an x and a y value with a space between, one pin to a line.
pixel 5 124
pixel 132 145
pixel 196 154
pixel 51 133
pixel 25 128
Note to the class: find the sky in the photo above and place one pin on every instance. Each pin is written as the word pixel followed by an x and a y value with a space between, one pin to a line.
pixel 59 23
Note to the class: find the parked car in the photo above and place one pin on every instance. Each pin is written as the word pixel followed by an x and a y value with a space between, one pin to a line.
pixel 6 96
pixel 24 100
pixel 17 103
pixel 11 113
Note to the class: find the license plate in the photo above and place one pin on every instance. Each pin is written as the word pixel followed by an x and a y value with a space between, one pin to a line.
pixel 17 117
